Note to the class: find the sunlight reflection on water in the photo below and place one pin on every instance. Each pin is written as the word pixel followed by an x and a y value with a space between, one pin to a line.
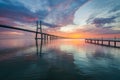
pixel 58 60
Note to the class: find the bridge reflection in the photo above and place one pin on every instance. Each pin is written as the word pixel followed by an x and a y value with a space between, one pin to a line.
pixel 38 48
pixel 39 45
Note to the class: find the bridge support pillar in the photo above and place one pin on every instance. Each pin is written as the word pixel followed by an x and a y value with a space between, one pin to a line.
pixel 38 29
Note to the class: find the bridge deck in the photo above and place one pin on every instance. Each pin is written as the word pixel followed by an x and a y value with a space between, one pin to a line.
pixel 26 30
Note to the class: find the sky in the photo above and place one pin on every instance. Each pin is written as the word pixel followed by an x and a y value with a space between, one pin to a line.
pixel 68 18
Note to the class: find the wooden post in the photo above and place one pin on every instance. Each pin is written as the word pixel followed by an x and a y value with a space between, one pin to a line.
pixel 102 41
pixel 94 41
pixel 90 41
pixel 115 42
pixel 97 41
pixel 108 43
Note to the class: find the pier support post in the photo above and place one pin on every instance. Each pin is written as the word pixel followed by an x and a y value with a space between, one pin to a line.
pixel 108 43
pixel 114 43
pixel 91 41
pixel 101 42
pixel 97 41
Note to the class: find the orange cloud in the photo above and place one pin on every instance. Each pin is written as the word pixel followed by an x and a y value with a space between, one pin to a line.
pixel 84 35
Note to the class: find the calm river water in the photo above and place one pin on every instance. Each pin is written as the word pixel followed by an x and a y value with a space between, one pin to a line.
pixel 64 59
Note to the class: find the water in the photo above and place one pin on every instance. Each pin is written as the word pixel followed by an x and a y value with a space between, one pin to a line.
pixel 65 59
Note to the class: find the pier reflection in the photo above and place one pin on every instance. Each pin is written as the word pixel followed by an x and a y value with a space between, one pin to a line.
pixel 59 59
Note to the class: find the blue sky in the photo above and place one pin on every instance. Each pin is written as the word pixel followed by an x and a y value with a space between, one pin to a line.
pixel 63 16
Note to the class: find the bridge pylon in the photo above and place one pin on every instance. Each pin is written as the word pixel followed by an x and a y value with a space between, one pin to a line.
pixel 39 29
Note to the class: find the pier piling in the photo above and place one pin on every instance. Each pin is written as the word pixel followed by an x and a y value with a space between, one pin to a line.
pixel 109 41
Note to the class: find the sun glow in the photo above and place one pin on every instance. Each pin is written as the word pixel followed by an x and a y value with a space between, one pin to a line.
pixel 75 35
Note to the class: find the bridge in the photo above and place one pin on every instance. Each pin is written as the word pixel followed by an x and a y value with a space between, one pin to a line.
pixel 38 31
pixel 46 36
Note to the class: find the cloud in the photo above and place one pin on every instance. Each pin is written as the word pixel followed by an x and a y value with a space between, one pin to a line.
pixel 28 11
pixel 100 22
pixel 63 13
pixel 90 16
pixel 103 20
pixel 117 8
pixel 49 25
pixel 16 13
pixel 68 28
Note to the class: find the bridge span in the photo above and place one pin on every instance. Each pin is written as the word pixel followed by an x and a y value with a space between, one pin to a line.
pixel 38 31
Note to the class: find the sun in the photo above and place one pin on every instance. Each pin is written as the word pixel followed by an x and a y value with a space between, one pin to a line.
pixel 75 35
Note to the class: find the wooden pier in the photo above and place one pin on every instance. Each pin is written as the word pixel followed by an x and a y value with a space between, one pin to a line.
pixel 104 42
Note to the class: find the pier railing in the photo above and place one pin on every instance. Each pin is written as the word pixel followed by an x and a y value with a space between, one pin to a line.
pixel 104 42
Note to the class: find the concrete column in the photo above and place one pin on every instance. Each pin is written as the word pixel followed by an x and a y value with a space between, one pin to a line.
pixel 44 36
pixel 47 37
pixel 41 36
